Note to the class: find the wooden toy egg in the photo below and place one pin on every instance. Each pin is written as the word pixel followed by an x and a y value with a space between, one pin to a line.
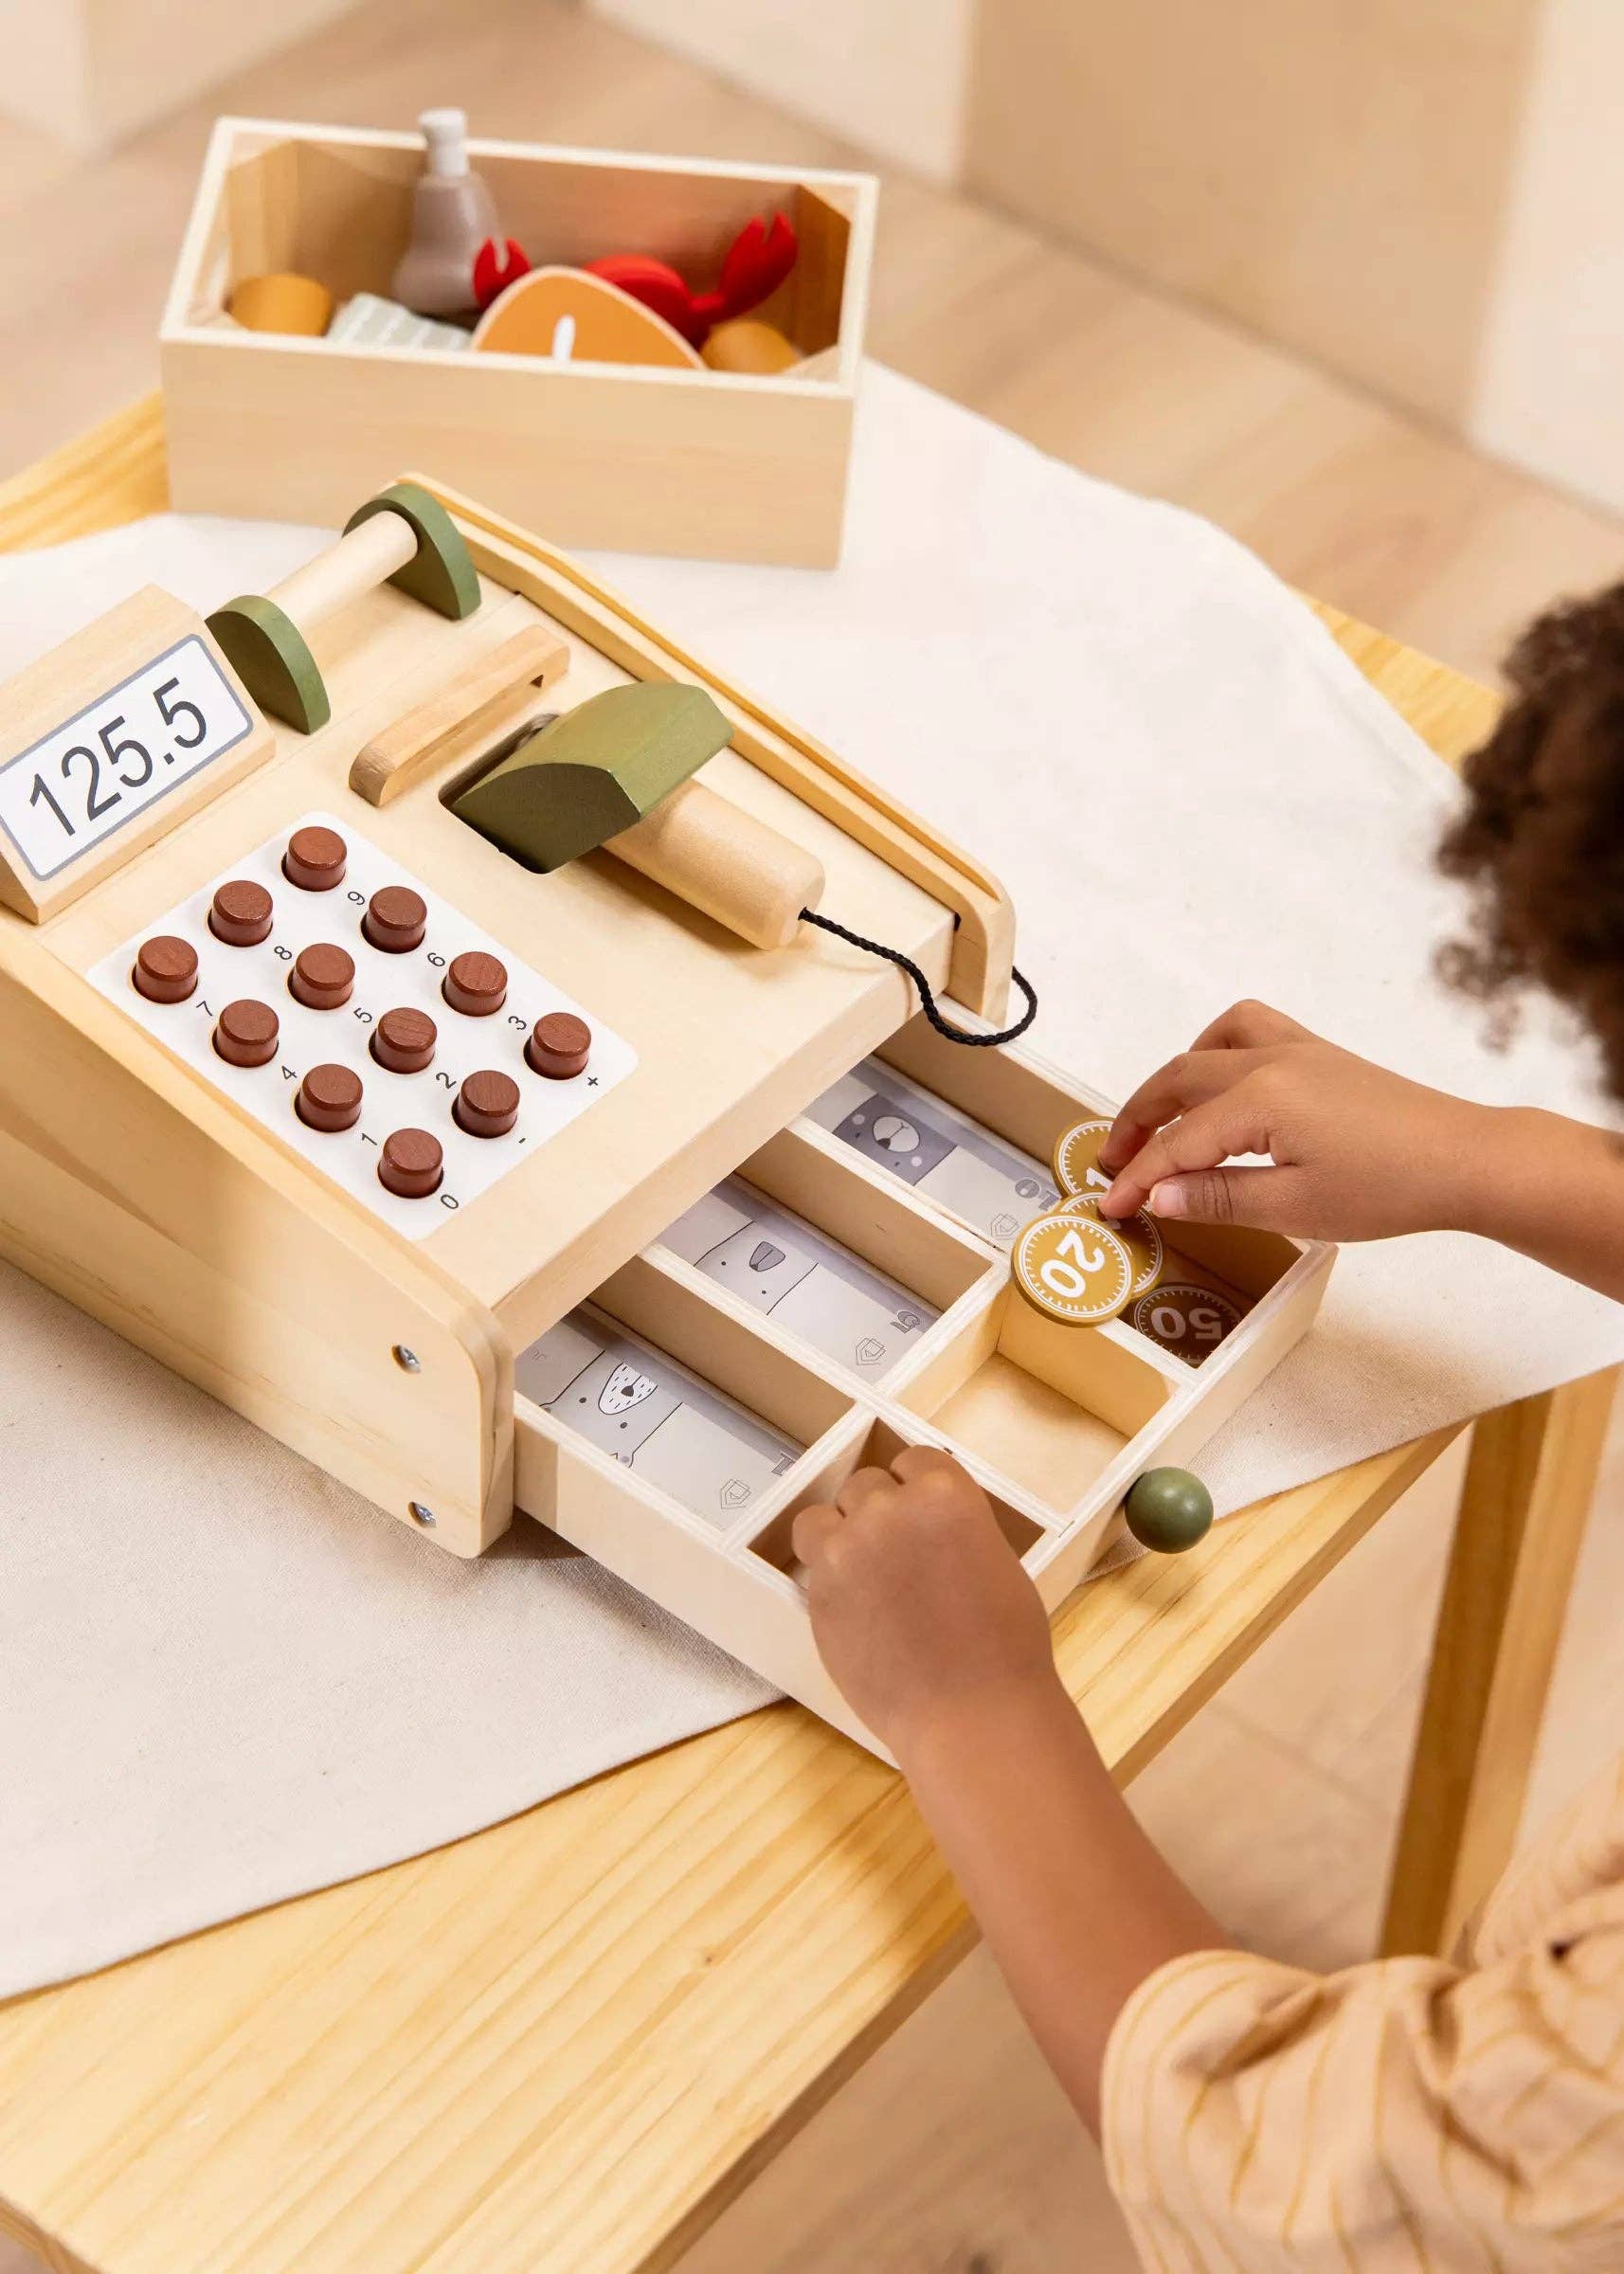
pixel 1168 1510
pixel 283 302
pixel 751 345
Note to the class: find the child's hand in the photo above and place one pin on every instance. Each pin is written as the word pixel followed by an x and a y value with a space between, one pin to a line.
pixel 919 1604
pixel 1359 1153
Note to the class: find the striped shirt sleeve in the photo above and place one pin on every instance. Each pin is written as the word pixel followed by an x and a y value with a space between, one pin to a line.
pixel 1406 2115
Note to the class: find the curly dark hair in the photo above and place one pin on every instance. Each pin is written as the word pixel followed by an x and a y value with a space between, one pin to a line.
pixel 1541 839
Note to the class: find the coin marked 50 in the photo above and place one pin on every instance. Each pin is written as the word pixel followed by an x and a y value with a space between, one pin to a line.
pixel 1188 1321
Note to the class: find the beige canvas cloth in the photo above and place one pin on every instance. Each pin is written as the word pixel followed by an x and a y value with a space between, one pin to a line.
pixel 224 1681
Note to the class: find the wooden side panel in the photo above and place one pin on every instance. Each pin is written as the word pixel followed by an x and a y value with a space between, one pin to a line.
pixel 259 197
pixel 816 281
pixel 687 462
pixel 350 220
pixel 132 1189
pixel 645 1542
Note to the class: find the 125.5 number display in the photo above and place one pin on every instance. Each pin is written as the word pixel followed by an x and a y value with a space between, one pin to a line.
pixel 118 756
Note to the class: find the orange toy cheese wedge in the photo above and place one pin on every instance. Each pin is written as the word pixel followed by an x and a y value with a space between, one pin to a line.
pixel 600 323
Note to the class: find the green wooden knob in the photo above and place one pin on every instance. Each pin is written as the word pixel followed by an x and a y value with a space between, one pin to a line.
pixel 1168 1510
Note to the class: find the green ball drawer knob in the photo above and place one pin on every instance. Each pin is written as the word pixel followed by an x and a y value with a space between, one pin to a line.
pixel 1168 1510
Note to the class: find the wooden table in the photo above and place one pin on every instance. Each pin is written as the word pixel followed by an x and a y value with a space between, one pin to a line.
pixel 560 2047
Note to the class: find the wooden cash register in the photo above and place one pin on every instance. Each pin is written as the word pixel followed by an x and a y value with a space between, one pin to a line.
pixel 575 1173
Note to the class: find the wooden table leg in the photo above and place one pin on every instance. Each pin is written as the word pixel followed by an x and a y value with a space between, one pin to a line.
pixel 1522 1510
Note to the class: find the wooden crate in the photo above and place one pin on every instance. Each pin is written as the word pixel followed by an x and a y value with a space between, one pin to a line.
pixel 708 464
pixel 181 1199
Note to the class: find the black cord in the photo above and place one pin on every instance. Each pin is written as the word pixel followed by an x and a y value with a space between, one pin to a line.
pixel 927 1001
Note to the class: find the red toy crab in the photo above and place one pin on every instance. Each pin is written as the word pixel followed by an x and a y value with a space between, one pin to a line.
pixel 754 266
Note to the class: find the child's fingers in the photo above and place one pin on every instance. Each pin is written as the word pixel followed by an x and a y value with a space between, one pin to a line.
pixel 1245 1026
pixel 1205 1137
pixel 1265 1200
pixel 914 1461
pixel 1190 1079
pixel 812 1531
pixel 863 1488
pixel 1250 1026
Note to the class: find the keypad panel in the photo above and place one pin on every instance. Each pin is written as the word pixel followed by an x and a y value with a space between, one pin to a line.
pixel 350 981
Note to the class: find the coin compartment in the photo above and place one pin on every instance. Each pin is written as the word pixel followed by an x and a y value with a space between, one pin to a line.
pixel 1018 1098
pixel 1053 1408
pixel 874 1442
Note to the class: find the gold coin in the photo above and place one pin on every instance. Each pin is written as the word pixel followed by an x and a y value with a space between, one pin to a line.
pixel 1139 1234
pixel 1189 1320
pixel 1077 1157
pixel 1071 1269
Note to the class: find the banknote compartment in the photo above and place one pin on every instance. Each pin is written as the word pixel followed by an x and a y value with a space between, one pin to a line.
pixel 832 1256
pixel 677 1394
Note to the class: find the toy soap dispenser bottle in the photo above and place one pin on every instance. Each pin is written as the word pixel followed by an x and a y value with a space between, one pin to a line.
pixel 452 216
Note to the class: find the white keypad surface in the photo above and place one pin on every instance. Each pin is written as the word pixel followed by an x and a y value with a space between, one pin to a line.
pixel 383 982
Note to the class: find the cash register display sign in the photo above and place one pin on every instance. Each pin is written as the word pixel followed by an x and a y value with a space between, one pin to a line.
pixel 114 761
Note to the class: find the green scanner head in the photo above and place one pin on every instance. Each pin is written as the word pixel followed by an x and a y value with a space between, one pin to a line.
pixel 587 774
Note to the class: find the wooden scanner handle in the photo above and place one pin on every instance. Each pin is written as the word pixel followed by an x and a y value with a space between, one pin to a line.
pixel 413 744
pixel 724 862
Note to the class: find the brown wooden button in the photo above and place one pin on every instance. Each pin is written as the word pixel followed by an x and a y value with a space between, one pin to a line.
pixel 240 913
pixel 396 919
pixel 404 1040
pixel 330 1098
pixel 245 1032
pixel 165 968
pixel 476 984
pixel 558 1045
pixel 411 1164
pixel 316 859
pixel 322 976
pixel 487 1104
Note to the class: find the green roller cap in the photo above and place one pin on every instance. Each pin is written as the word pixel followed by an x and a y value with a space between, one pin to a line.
pixel 440 573
pixel 593 771
pixel 1168 1509
pixel 269 654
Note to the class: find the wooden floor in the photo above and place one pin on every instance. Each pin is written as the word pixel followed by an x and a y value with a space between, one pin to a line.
pixel 952 2153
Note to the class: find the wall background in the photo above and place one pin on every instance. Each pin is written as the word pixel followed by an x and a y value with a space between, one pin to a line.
pixel 890 75
pixel 91 72
pixel 1426 195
